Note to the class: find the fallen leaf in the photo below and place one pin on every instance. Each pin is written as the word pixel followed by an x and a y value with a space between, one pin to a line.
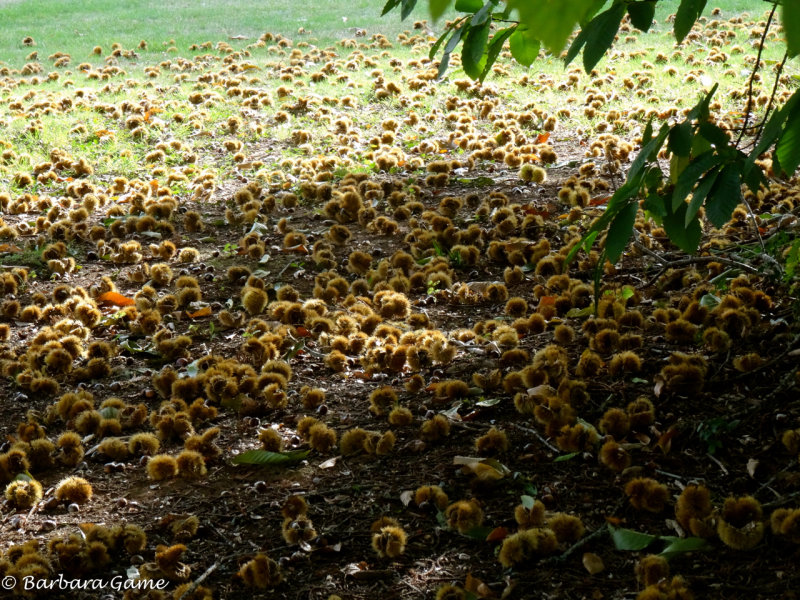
pixel 498 534
pixel 116 299
pixel 542 137
pixel 203 312
pixel 10 248
pixel 406 497
pixel 752 465
pixel 477 587
pixel 593 563
pixel 599 201
pixel 331 462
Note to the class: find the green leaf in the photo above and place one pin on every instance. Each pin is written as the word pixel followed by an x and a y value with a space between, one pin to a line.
pixel 437 8
pixel 642 14
pixel 272 459
pixel 620 231
pixel 483 15
pixel 628 539
pixel 655 206
pixel 688 178
pixel 791 26
pixel 390 6
pixel 772 130
pixel 406 8
pixel 680 545
pixel 600 35
pixel 787 150
pixel 552 21
pixel 680 139
pixel 474 50
pixel 489 402
pixel 726 195
pixel 685 236
pixel 714 134
pixel 479 533
pixel 527 501
pixel 524 47
pixel 709 301
pixel 470 6
pixel 688 12
pixel 700 193
pixel 565 457
pixel 495 47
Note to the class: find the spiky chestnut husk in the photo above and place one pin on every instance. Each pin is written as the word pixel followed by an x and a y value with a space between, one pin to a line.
pixel 73 490
pixel 389 542
pixel 740 526
pixel 261 572
pixel 464 515
pixel 525 545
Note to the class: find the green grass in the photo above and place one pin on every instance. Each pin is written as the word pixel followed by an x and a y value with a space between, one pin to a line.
pixel 82 25
pixel 76 27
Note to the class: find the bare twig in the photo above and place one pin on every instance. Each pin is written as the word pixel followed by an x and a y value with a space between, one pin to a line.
pixel 190 590
pixel 538 436
pixel 756 67
pixel 577 545
pixel 717 462
pixel 694 260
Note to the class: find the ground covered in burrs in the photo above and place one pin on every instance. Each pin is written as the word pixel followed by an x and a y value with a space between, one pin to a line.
pixel 292 320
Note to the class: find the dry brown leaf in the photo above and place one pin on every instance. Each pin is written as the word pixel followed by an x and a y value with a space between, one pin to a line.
pixel 593 563
pixel 115 299
pixel 203 312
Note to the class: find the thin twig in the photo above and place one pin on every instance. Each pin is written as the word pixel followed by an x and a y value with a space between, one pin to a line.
pixel 577 545
pixel 718 463
pixel 198 581
pixel 694 260
pixel 538 436
pixel 756 67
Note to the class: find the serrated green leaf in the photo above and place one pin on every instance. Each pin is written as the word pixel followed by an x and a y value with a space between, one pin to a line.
pixel 473 52
pixel 628 539
pixel 726 195
pixel 390 6
pixel 700 193
pixel 527 501
pixel 688 178
pixel 642 14
pixel 714 134
pixel 620 231
pixel 791 26
pixel 406 8
pixel 681 545
pixel 565 457
pixel 686 237
pixel 552 21
pixel 680 139
pixel 787 150
pixel 688 12
pixel 437 8
pixel 524 47
pixel 468 5
pixel 600 35
pixel 272 459
pixel 494 49
pixel 483 15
